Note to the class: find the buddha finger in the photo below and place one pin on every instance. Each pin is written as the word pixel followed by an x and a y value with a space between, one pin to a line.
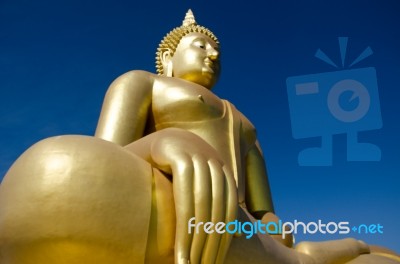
pixel 231 213
pixel 218 211
pixel 202 205
pixel 183 172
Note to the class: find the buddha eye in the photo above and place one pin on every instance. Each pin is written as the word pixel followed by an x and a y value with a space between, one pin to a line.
pixel 200 44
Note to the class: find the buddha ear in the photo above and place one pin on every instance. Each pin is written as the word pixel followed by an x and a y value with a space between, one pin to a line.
pixel 166 60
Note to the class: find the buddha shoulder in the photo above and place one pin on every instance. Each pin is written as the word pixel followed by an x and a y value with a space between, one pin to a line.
pixel 137 82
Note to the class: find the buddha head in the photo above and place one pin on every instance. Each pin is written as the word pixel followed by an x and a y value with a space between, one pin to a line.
pixel 190 52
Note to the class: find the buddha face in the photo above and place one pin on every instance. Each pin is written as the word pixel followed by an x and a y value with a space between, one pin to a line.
pixel 196 59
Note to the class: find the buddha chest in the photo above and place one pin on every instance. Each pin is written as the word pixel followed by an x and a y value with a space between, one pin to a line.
pixel 176 100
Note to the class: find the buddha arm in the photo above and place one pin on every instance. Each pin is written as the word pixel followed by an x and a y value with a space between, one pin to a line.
pixel 125 108
pixel 258 193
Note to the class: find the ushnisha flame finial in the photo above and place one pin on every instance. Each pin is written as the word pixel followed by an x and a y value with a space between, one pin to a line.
pixel 189 19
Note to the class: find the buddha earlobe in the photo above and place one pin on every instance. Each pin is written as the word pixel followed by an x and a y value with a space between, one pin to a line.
pixel 169 69
pixel 166 60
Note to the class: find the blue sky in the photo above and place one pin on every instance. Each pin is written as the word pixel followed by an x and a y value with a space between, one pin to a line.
pixel 57 59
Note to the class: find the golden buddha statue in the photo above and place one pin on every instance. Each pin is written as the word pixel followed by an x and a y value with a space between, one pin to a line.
pixel 166 151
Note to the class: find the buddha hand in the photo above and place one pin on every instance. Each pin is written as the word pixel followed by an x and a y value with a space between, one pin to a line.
pixel 204 188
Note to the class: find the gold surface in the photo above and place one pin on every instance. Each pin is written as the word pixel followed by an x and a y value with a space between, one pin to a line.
pixel 166 149
pixel 75 199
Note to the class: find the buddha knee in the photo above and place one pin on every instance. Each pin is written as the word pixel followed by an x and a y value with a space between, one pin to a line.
pixel 79 191
pixel 77 156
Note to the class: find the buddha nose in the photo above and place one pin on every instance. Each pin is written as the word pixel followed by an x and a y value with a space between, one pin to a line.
pixel 213 54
